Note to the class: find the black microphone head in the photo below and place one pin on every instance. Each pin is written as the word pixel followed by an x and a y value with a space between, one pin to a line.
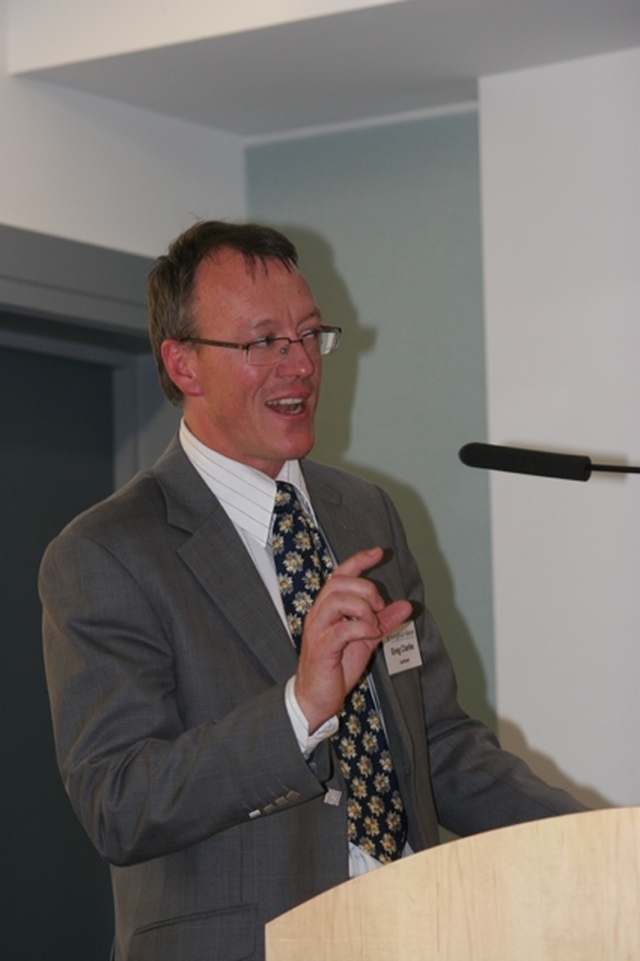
pixel 520 461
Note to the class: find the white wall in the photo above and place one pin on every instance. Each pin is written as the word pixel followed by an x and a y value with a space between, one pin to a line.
pixel 87 169
pixel 41 34
pixel 560 155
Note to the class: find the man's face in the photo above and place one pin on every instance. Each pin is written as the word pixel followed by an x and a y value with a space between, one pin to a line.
pixel 260 416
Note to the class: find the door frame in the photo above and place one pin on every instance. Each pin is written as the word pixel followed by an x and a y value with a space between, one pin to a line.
pixel 79 301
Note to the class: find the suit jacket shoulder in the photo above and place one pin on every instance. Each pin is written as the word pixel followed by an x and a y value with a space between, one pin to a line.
pixel 169 490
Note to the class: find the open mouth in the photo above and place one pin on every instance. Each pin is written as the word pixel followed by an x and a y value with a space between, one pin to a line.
pixel 288 405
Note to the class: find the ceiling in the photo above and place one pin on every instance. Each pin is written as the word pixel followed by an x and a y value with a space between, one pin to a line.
pixel 357 66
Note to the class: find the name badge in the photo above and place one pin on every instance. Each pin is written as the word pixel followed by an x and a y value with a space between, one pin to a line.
pixel 401 649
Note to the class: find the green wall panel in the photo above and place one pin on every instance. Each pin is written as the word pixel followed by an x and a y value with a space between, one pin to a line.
pixel 387 222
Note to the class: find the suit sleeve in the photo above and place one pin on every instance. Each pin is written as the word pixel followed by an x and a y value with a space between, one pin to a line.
pixel 143 778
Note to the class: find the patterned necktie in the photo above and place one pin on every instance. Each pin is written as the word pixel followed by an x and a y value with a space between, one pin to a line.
pixel 376 819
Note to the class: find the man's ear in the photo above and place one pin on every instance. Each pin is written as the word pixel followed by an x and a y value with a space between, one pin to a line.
pixel 178 359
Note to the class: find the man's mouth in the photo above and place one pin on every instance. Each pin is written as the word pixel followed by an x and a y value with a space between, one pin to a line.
pixel 287 405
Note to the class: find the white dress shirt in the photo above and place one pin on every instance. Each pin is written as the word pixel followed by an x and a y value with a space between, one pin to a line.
pixel 248 496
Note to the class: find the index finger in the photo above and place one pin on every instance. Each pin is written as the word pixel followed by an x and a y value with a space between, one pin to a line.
pixel 355 565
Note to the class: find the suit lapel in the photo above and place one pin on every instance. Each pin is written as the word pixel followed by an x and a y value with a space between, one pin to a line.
pixel 339 525
pixel 217 558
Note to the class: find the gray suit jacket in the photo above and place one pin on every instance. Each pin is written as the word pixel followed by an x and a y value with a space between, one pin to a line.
pixel 166 663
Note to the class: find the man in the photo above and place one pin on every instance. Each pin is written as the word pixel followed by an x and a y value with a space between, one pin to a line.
pixel 199 748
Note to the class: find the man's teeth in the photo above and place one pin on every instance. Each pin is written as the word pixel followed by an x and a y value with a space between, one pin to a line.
pixel 292 405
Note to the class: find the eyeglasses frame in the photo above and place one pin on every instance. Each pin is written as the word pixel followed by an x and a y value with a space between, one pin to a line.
pixel 322 329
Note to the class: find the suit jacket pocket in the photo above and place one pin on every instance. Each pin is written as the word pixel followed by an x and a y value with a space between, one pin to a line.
pixel 227 935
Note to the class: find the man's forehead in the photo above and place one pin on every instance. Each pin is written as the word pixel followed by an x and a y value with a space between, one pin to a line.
pixel 230 285
pixel 237 262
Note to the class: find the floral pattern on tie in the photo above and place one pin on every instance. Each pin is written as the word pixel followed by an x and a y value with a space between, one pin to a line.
pixel 376 819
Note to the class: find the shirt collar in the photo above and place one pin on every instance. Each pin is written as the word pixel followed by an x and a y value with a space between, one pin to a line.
pixel 246 494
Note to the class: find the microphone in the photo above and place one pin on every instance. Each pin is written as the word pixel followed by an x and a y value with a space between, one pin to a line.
pixel 540 463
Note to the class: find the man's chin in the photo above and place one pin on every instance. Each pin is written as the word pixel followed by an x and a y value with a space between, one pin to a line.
pixel 299 451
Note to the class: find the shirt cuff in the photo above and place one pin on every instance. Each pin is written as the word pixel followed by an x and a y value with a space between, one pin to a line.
pixel 307 742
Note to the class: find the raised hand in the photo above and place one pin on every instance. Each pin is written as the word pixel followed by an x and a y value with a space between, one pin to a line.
pixel 346 623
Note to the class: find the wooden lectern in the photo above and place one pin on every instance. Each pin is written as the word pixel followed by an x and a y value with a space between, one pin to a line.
pixel 561 889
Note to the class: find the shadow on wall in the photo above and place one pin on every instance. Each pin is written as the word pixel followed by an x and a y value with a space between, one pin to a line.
pixel 333 438
pixel 514 740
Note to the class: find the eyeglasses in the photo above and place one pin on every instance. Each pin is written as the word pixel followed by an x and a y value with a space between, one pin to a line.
pixel 271 350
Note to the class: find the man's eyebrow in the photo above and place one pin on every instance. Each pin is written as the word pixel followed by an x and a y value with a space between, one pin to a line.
pixel 314 314
pixel 264 322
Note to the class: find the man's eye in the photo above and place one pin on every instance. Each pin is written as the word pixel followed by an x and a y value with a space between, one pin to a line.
pixel 311 335
pixel 263 344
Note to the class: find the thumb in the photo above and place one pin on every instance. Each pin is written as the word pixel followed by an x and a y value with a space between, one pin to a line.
pixel 393 615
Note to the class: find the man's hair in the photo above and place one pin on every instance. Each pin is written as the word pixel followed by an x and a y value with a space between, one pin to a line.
pixel 170 283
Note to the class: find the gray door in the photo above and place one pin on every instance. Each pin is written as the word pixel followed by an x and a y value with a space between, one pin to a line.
pixel 56 458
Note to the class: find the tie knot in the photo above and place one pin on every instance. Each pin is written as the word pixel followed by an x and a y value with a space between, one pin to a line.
pixel 286 498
